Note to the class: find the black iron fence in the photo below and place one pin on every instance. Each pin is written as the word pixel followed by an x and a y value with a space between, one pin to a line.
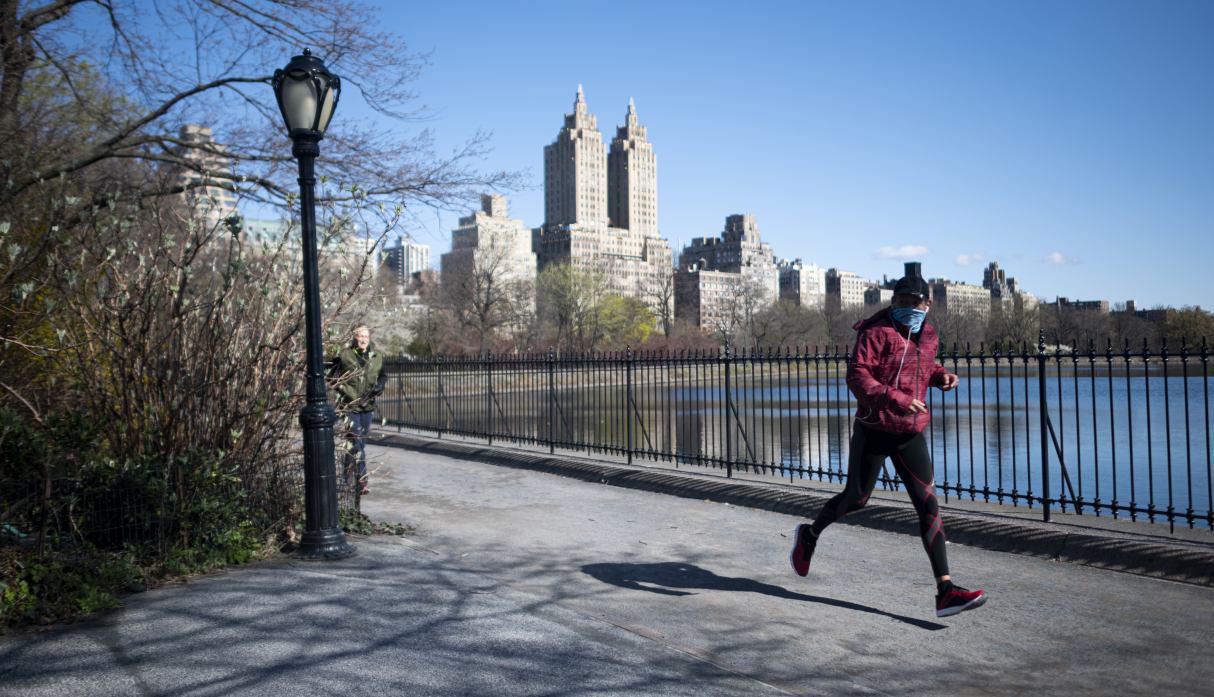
pixel 1104 430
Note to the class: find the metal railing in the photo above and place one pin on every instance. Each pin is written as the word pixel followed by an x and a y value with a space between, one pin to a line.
pixel 1105 431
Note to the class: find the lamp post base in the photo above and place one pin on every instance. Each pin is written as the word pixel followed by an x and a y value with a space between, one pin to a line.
pixel 324 545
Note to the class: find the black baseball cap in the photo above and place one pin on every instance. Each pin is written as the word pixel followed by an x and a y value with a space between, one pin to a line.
pixel 912 285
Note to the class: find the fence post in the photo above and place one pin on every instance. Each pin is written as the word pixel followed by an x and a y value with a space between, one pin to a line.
pixel 551 401
pixel 728 409
pixel 1043 416
pixel 442 399
pixel 400 394
pixel 628 367
pixel 489 396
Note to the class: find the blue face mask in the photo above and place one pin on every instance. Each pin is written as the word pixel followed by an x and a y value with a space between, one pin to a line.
pixel 910 316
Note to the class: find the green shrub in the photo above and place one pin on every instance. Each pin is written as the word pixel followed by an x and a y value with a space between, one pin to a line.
pixel 62 587
pixel 109 526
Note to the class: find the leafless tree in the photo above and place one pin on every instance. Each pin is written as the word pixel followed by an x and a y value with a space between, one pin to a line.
pixel 567 305
pixel 788 324
pixel 840 321
pixel 960 328
pixel 137 73
pixel 659 296
pixel 486 290
pixel 1013 324
pixel 1126 326
pixel 1190 323
pixel 1073 326
pixel 735 321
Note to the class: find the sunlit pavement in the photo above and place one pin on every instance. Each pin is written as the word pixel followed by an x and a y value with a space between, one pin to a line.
pixel 521 582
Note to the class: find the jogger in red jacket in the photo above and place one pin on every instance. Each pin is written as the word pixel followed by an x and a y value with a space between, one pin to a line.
pixel 892 366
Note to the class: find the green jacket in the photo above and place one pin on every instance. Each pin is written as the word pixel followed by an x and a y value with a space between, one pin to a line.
pixel 359 378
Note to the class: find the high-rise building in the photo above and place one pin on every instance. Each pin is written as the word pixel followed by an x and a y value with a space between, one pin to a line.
pixel 632 184
pixel 208 167
pixel 844 289
pixel 803 284
pixel 624 246
pixel 739 248
pixel 575 172
pixel 739 259
pixel 954 297
pixel 876 295
pixel 1006 294
pixel 491 252
pixel 996 280
pixel 405 259
pixel 715 301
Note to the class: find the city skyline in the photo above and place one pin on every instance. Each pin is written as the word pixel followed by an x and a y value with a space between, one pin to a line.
pixel 1067 143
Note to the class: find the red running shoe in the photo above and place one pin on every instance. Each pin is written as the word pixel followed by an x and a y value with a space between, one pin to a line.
pixel 956 599
pixel 802 549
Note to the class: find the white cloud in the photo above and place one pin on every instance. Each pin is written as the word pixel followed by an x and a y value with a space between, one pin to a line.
pixel 905 252
pixel 967 259
pixel 1059 259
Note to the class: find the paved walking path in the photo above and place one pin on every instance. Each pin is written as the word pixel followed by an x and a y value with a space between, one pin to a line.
pixel 518 582
pixel 1160 550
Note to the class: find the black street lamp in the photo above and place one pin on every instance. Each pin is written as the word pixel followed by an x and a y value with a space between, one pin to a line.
pixel 307 94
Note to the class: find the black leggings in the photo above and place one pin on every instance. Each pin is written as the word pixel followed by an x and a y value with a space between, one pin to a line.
pixel 913 463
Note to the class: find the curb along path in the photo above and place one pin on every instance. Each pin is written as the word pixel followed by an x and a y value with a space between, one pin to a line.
pixel 1184 562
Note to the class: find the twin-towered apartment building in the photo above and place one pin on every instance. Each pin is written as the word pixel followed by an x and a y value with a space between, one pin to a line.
pixel 601 213
pixel 601 205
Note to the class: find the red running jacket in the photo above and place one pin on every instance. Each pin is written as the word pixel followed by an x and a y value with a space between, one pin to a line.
pixel 887 371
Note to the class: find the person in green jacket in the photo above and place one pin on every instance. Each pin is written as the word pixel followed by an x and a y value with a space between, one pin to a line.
pixel 358 371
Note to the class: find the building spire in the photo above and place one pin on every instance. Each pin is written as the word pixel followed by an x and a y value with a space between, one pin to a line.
pixel 581 116
pixel 579 104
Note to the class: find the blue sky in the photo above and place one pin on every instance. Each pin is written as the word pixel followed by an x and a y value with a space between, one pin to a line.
pixel 1072 142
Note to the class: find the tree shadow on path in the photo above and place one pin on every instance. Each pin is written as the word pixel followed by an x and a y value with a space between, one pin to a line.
pixel 665 577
